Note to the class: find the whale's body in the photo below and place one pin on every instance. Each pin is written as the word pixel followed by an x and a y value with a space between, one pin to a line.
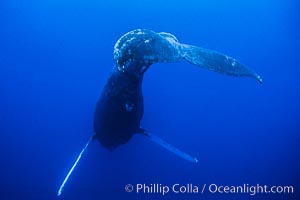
pixel 120 108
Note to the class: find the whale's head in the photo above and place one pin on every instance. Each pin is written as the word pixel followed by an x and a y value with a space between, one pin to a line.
pixel 138 49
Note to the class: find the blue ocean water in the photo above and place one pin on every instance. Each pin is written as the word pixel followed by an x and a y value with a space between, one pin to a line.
pixel 55 57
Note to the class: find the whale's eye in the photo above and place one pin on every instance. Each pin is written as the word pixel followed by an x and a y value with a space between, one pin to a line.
pixel 129 106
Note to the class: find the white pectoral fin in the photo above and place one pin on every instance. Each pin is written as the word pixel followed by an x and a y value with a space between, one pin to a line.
pixel 171 148
pixel 216 61
pixel 73 167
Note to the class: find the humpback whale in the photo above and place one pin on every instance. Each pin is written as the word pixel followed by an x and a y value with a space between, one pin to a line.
pixel 120 108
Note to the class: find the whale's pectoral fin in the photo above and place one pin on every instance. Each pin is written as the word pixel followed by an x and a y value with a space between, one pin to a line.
pixel 74 166
pixel 169 147
pixel 216 61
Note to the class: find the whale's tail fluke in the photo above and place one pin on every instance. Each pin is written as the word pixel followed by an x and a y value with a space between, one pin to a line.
pixel 171 148
pixel 216 61
pixel 73 167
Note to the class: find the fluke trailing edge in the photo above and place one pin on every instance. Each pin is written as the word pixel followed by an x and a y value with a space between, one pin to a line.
pixel 120 107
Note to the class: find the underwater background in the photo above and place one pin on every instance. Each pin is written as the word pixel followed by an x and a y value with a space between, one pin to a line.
pixel 55 57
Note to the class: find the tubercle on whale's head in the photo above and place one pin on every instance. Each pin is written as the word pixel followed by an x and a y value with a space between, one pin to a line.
pixel 134 52
pixel 128 51
pixel 144 47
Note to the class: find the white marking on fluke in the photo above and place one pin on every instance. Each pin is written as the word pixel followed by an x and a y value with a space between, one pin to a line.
pixel 73 167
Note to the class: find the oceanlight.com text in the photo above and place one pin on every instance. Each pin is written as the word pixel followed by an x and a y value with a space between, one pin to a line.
pixel 189 188
pixel 250 189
